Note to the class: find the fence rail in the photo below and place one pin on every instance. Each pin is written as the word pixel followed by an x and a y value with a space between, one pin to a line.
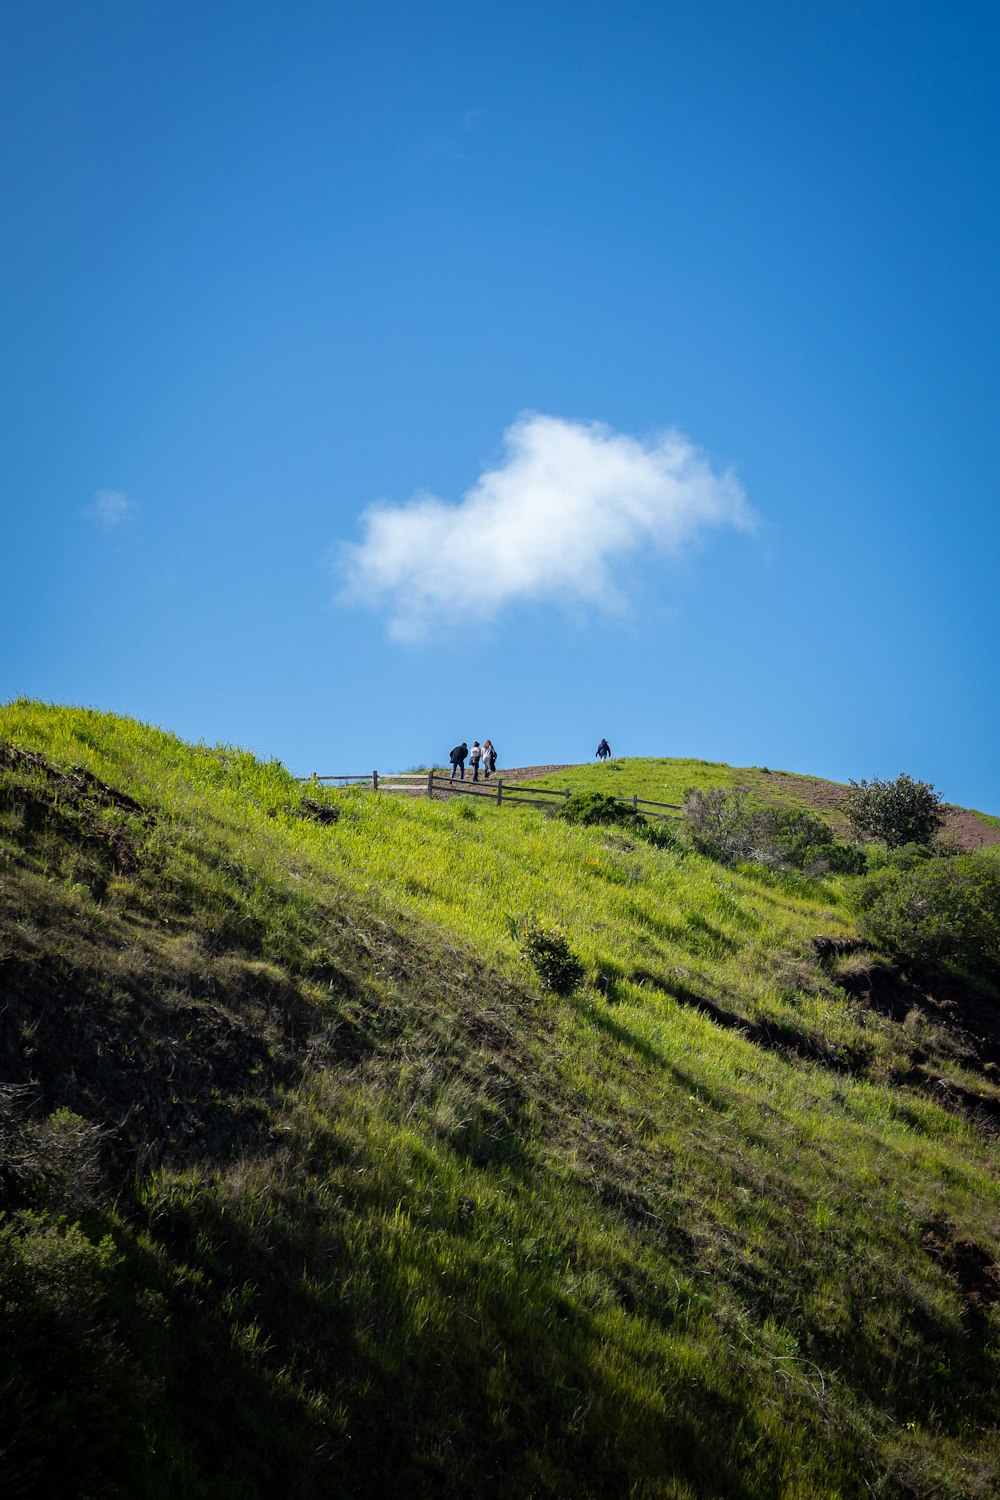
pixel 431 783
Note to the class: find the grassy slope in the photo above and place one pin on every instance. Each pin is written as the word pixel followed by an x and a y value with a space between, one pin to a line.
pixel 372 1216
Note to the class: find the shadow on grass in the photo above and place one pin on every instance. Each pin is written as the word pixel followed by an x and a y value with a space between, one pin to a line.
pixel 775 1036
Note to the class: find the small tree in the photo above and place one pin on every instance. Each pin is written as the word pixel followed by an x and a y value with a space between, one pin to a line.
pixel 547 949
pixel 899 812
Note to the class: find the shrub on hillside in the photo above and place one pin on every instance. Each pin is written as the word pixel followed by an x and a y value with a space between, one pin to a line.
pixel 904 857
pixel 53 1161
pixel 730 825
pixel 718 822
pixel 898 812
pixel 589 808
pixel 598 809
pixel 944 910
pixel 547 949
pixel 802 840
pixel 660 834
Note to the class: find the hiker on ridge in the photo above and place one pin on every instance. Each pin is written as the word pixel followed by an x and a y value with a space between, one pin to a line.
pixel 603 750
pixel 475 756
pixel 458 761
pixel 489 758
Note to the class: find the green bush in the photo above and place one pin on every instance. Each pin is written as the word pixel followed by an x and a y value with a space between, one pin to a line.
pixel 659 834
pixel 898 812
pixel 905 857
pixel 53 1161
pixel 798 838
pixel 547 949
pixel 597 808
pixel 589 808
pixel 944 910
pixel 730 825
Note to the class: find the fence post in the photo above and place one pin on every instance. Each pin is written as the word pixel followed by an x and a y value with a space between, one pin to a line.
pixel 374 781
pixel 430 782
pixel 635 803
pixel 499 790
pixel 566 794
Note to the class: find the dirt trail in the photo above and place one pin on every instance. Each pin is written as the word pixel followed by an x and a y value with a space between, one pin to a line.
pixel 507 775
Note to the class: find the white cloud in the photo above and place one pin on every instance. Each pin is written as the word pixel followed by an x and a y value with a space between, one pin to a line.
pixel 110 508
pixel 569 501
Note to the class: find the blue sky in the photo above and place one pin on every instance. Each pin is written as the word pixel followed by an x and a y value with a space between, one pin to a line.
pixel 662 338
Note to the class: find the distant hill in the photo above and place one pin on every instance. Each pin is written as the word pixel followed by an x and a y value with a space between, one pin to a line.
pixel 309 1189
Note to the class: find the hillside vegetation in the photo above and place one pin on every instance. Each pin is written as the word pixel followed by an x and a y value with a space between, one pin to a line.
pixel 309 1190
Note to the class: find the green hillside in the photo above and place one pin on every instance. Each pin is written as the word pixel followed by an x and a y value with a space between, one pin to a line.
pixel 308 1189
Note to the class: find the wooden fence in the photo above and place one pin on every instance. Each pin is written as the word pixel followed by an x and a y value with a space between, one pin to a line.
pixel 432 783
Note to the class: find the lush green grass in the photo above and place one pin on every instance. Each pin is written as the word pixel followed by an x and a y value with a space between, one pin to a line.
pixel 373 1216
pixel 668 780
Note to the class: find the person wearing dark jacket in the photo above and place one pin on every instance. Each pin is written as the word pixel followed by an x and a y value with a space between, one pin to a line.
pixel 458 761
pixel 603 750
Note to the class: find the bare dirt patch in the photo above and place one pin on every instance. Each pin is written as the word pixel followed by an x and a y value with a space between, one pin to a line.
pixel 972 1267
pixel 967 1017
pixel 968 830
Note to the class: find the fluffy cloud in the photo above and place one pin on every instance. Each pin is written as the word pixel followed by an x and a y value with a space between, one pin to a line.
pixel 110 508
pixel 568 502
